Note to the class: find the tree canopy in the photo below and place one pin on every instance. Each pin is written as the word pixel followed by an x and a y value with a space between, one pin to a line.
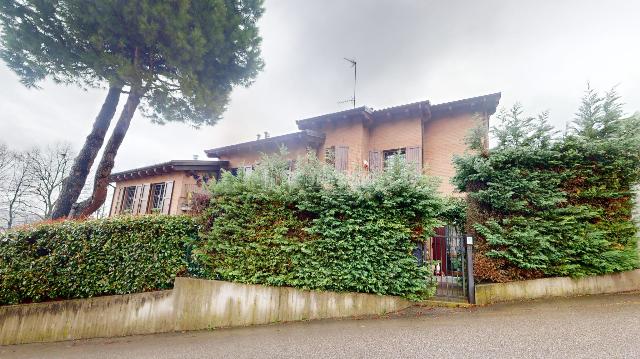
pixel 184 56
pixel 178 60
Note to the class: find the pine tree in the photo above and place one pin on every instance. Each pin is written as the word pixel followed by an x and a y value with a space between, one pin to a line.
pixel 177 60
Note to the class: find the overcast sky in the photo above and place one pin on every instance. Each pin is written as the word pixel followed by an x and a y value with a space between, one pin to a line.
pixel 540 53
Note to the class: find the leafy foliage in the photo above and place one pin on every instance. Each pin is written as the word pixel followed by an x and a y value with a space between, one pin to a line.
pixel 315 228
pixel 69 259
pixel 183 57
pixel 549 206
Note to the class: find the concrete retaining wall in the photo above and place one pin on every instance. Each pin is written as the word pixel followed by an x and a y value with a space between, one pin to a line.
pixel 636 211
pixel 557 287
pixel 193 304
pixel 112 316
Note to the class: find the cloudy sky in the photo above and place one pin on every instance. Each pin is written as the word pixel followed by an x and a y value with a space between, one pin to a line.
pixel 540 53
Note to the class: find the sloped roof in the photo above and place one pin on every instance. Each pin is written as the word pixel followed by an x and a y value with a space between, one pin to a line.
pixel 485 103
pixel 306 137
pixel 358 112
pixel 166 167
pixel 423 109
pixel 415 109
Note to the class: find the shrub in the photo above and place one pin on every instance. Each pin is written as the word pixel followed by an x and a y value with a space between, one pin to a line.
pixel 318 229
pixel 549 206
pixel 98 257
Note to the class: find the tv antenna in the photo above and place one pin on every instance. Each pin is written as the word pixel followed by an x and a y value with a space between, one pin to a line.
pixel 354 64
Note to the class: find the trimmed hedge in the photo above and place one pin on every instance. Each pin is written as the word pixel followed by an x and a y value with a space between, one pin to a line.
pixel 119 255
pixel 321 230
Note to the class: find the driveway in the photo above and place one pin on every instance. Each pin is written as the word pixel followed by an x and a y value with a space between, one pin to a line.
pixel 585 327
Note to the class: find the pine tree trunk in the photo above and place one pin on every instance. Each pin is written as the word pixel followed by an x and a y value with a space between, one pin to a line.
pixel 73 184
pixel 101 182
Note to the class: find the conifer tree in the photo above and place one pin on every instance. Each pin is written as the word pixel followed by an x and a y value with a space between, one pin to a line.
pixel 176 60
pixel 544 205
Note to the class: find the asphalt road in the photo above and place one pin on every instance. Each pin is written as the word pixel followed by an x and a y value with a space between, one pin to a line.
pixel 587 327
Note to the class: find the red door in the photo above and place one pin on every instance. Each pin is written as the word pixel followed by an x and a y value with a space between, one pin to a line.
pixel 439 250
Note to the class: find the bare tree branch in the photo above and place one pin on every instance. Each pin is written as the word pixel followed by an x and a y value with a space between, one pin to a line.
pixel 14 191
pixel 48 167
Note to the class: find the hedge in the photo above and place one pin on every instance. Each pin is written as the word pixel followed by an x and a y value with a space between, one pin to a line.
pixel 119 255
pixel 319 229
pixel 544 205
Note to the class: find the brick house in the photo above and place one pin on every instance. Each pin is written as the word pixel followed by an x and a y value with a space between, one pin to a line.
pixel 356 139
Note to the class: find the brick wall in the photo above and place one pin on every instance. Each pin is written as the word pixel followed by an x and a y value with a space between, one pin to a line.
pixel 250 158
pixel 443 139
pixel 440 138
pixel 381 136
pixel 389 135
pixel 352 134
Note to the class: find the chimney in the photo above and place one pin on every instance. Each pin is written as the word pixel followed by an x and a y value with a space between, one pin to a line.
pixel 258 139
pixel 266 135
pixel 195 157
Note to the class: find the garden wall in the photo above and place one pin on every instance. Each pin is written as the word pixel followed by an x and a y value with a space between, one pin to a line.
pixel 557 287
pixel 193 304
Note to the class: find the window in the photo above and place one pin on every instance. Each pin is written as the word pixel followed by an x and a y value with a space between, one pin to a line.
pixel 129 195
pixel 390 155
pixel 330 155
pixel 157 197
pixel 247 170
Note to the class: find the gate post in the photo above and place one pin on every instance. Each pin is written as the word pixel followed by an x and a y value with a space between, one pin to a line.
pixel 470 281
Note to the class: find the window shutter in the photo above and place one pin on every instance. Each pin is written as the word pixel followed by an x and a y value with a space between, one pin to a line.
pixel 144 201
pixel 117 197
pixel 166 201
pixel 414 156
pixel 342 158
pixel 135 207
pixel 375 161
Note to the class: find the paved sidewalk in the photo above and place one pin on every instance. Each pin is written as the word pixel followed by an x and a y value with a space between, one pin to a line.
pixel 585 327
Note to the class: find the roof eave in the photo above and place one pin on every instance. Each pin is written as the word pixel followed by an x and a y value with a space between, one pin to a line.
pixel 486 104
pixel 311 123
pixel 167 167
pixel 307 137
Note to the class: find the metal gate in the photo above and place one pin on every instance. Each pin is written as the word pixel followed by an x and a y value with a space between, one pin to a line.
pixel 449 256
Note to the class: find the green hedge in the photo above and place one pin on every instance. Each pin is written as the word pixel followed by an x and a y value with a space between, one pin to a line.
pixel 98 257
pixel 320 229
pixel 544 205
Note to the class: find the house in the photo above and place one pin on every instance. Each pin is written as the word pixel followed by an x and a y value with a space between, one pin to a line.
pixel 162 188
pixel 356 139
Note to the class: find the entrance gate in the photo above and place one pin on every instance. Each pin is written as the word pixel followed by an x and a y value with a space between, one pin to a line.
pixel 449 255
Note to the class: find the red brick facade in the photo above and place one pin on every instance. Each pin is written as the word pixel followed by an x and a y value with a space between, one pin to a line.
pixel 430 135
pixel 438 131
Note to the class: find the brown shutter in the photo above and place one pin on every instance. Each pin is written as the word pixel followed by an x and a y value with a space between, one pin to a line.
pixel 375 161
pixel 137 195
pixel 342 158
pixel 414 157
pixel 144 201
pixel 117 197
pixel 166 201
